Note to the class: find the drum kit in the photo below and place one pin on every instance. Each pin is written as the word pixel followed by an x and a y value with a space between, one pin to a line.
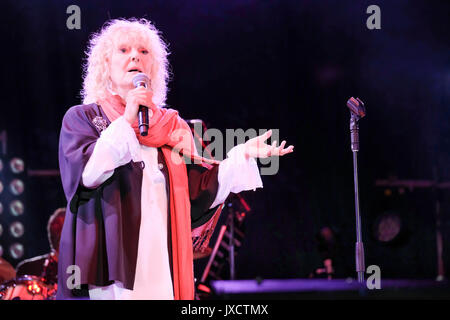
pixel 27 287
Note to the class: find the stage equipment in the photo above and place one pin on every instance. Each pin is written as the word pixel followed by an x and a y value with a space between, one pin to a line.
pixel 13 195
pixel 437 187
pixel 27 288
pixel 221 263
pixel 305 289
pixel 199 132
pixel 357 111
pixel 388 227
pixel 201 255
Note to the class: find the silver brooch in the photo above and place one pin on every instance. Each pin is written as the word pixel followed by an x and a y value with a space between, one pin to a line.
pixel 99 123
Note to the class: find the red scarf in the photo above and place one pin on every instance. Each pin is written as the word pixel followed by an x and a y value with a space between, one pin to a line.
pixel 172 134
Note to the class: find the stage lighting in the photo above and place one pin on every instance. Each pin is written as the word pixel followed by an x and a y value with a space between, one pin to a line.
pixel 13 192
pixel 17 165
pixel 387 227
pixel 16 250
pixel 16 207
pixel 16 186
pixel 16 229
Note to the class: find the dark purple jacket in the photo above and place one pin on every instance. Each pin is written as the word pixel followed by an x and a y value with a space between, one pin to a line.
pixel 101 230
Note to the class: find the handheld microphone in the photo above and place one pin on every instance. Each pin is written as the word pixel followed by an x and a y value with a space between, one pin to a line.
pixel 141 80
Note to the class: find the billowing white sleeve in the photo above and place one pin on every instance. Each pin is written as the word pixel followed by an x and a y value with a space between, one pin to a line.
pixel 116 146
pixel 236 174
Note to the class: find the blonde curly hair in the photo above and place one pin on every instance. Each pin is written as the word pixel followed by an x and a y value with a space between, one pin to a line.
pixel 96 73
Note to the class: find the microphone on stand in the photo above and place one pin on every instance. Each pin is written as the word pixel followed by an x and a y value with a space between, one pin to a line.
pixel 357 111
pixel 141 80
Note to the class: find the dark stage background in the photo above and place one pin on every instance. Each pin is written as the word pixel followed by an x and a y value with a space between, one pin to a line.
pixel 288 65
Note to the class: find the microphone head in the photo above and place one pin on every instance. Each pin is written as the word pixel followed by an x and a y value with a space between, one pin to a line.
pixel 356 106
pixel 141 80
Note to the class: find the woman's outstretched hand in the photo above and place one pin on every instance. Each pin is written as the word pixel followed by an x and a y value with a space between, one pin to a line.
pixel 258 148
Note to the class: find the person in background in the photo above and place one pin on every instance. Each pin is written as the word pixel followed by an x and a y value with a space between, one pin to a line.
pixel 7 271
pixel 46 266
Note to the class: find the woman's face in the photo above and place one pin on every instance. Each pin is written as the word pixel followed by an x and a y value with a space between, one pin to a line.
pixel 129 57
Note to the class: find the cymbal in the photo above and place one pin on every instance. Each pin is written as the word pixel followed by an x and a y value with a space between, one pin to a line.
pixel 204 254
pixel 7 272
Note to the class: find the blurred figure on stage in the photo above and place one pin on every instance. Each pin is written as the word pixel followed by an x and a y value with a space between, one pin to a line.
pixel 140 204
pixel 328 248
pixel 46 266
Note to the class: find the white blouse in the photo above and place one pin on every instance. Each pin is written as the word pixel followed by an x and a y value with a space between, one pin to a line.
pixel 117 146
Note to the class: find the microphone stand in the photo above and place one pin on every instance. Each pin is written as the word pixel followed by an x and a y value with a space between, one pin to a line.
pixel 357 111
pixel 231 244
